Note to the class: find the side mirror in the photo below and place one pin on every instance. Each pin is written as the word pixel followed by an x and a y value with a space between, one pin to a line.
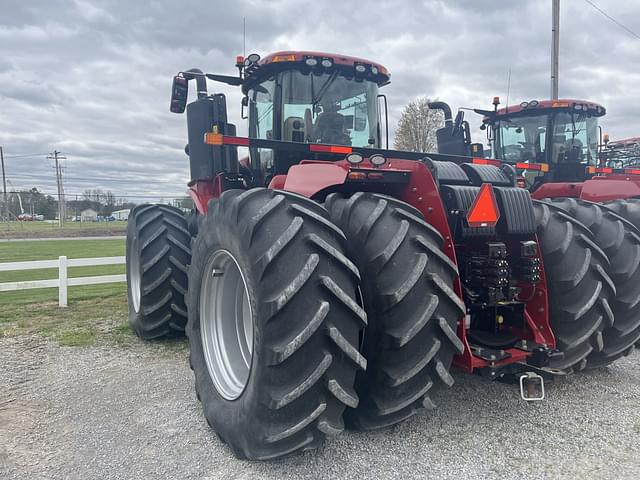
pixel 179 92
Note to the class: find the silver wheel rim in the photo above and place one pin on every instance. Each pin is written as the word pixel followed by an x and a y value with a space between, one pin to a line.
pixel 134 275
pixel 226 324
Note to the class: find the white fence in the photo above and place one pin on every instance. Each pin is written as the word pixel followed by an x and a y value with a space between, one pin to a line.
pixel 63 281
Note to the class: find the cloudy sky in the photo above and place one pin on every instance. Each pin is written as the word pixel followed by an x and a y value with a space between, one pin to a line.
pixel 91 78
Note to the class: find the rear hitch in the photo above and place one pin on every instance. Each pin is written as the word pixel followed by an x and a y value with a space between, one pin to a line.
pixel 531 387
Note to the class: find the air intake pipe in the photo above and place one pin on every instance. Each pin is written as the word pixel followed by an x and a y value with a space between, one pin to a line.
pixel 201 80
pixel 446 109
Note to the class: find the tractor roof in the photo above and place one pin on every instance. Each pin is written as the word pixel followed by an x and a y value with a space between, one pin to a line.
pixel 302 59
pixel 542 107
pixel 625 142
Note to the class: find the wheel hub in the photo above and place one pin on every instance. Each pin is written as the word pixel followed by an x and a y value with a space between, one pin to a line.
pixel 134 275
pixel 226 324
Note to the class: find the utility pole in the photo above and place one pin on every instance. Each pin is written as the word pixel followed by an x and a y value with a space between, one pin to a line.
pixel 4 187
pixel 61 207
pixel 555 48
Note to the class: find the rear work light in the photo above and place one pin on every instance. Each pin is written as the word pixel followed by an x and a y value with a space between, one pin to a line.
pixel 484 211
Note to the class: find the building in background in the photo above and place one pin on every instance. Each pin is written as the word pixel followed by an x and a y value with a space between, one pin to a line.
pixel 121 214
pixel 89 215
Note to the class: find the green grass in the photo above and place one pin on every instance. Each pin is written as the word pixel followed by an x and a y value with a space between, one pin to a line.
pixel 101 320
pixel 17 229
pixel 50 250
pixel 47 226
pixel 18 251
pixel 96 313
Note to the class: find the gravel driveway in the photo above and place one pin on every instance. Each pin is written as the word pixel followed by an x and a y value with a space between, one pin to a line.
pixel 129 413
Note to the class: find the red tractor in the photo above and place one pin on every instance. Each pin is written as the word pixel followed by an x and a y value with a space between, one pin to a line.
pixel 327 282
pixel 557 148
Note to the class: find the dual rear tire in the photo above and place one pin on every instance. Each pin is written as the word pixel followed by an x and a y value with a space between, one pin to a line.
pixel 274 323
pixel 592 264
pixel 277 324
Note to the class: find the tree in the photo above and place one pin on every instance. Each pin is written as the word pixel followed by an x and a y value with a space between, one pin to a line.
pixel 417 127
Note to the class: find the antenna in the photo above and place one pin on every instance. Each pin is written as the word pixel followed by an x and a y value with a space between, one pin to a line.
pixel 244 37
pixel 508 90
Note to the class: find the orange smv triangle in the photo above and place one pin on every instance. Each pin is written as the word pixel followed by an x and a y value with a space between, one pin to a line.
pixel 484 212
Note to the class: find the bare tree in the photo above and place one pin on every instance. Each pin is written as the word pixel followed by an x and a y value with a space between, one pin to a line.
pixel 417 127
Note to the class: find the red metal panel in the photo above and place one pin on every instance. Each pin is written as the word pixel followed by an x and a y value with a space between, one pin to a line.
pixel 553 190
pixel 277 182
pixel 201 191
pixel 610 187
pixel 310 178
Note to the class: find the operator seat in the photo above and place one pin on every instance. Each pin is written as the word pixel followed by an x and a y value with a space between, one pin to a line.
pixel 293 130
pixel 329 128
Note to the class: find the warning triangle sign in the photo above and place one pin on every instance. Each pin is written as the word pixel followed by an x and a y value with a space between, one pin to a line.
pixel 484 212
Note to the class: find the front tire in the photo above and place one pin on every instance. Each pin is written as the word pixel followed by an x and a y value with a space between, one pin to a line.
pixel 158 253
pixel 407 288
pixel 294 373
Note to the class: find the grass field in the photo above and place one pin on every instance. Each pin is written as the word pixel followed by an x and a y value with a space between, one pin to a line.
pixel 49 250
pixel 95 312
pixel 17 229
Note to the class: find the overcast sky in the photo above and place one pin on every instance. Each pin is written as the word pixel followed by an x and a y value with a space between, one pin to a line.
pixel 92 78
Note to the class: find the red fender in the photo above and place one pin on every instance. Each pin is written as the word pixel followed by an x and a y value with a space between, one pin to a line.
pixel 310 178
pixel 610 187
pixel 560 189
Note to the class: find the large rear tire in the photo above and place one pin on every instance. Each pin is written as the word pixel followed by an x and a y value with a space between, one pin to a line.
pixel 579 288
pixel 629 209
pixel 407 289
pixel 283 381
pixel 620 240
pixel 158 253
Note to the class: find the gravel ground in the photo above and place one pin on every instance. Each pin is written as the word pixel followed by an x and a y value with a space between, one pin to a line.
pixel 128 413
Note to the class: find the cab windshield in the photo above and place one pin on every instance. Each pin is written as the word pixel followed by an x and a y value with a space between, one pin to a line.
pixel 315 108
pixel 559 137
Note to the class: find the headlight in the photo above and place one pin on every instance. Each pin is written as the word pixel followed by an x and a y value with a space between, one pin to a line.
pixel 354 158
pixel 360 68
pixel 312 62
pixel 377 160
pixel 326 63
pixel 374 69
pixel 524 104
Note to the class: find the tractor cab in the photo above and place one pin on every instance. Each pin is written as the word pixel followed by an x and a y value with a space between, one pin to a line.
pixel 558 138
pixel 291 96
pixel 620 153
pixel 310 97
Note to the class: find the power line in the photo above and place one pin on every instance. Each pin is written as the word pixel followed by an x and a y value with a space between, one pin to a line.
pixel 26 155
pixel 70 194
pixel 94 179
pixel 624 27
